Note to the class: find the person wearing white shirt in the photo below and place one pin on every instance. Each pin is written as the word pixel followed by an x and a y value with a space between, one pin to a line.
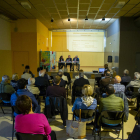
pixel 26 75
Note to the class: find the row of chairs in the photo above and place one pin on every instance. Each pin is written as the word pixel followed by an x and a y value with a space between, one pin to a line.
pixel 109 115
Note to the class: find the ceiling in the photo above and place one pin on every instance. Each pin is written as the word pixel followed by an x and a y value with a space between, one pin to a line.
pixel 76 10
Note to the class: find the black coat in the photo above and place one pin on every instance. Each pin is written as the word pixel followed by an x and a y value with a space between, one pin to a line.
pixel 55 105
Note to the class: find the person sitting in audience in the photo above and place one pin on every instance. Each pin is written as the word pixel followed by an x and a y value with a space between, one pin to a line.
pixel 78 76
pixel 31 86
pixel 104 82
pixel 27 67
pixel 126 78
pixel 63 76
pixel 14 81
pixel 117 86
pixel 26 74
pixel 111 103
pixel 63 82
pixel 77 86
pixel 56 90
pixel 23 91
pixel 41 80
pixel 136 82
pixel 5 87
pixel 85 102
pixel 29 122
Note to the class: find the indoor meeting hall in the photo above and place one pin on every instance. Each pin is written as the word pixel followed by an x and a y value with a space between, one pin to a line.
pixel 69 69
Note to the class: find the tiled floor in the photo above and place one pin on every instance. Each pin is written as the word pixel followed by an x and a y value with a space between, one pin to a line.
pixel 56 124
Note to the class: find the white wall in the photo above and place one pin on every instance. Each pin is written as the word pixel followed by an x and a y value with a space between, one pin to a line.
pixel 5 35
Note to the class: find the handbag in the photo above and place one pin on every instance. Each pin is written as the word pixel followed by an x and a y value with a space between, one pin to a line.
pixel 76 129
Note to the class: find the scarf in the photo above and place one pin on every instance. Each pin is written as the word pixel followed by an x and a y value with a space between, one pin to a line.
pixel 87 100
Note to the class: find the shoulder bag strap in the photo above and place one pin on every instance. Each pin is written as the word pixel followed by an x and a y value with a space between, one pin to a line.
pixel 80 115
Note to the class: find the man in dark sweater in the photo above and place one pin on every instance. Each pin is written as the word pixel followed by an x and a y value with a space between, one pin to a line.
pixel 56 90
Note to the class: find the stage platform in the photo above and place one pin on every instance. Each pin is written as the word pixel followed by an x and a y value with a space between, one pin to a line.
pixel 90 75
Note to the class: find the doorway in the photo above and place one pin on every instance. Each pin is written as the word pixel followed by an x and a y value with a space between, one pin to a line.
pixel 20 60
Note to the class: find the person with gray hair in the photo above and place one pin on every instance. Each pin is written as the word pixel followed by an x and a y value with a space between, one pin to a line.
pixel 125 78
pixel 77 86
pixel 31 86
pixel 76 59
pixel 63 76
pixel 136 82
pixel 5 87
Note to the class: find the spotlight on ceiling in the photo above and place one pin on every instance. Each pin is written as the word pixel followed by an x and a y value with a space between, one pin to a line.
pixel 86 18
pixel 51 20
pixel 68 19
pixel 103 18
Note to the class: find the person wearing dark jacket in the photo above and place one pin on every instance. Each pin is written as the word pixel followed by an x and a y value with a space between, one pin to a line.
pixel 69 61
pixel 125 78
pixel 62 82
pixel 56 90
pixel 77 86
pixel 61 59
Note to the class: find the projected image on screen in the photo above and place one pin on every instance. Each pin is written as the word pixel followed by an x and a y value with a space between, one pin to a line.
pixel 85 41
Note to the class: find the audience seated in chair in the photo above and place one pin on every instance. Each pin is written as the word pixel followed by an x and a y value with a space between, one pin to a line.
pixel 56 90
pixel 63 76
pixel 5 87
pixel 78 76
pixel 29 122
pixel 118 87
pixel 23 91
pixel 41 80
pixel 31 86
pixel 26 74
pixel 85 102
pixel 67 74
pixel 111 103
pixel 77 86
pixel 125 78
pixel 27 67
pixel 14 81
pixel 135 82
pixel 62 82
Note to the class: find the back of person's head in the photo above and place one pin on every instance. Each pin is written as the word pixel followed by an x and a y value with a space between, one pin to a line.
pixel 117 79
pixel 57 79
pixel 15 77
pixel 106 66
pixel 60 74
pixel 110 89
pixel 5 78
pixel 21 83
pixel 42 73
pixel 60 70
pixel 27 67
pixel 31 81
pixel 38 69
pixel 81 70
pixel 81 74
pixel 24 104
pixel 126 72
pixel 87 90
pixel 136 75
pixel 108 73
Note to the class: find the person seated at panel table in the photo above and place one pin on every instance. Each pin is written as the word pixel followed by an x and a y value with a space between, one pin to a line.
pixel 69 59
pixel 61 59
pixel 76 59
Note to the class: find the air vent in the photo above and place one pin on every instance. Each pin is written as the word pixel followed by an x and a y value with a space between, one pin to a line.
pixel 120 4
pixel 26 5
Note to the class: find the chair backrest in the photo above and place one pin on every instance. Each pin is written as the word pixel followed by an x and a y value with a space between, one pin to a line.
pixel 85 113
pixel 125 83
pixel 112 115
pixel 24 136
pixel 5 96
